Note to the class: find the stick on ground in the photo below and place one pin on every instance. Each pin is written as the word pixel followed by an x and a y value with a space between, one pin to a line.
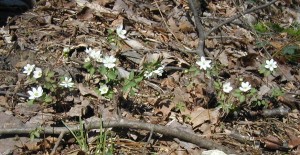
pixel 123 123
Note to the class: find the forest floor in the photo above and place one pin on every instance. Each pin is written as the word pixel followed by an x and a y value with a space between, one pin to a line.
pixel 158 96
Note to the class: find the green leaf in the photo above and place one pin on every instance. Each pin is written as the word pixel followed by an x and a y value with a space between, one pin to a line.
pixel 261 27
pixel 131 75
pixel 48 99
pixel 91 70
pixel 111 75
pixel 242 98
pixel 50 74
pixel 87 65
pixel 290 49
pixel 30 102
pixel 132 84
pixel 126 88
pixel 102 70
pixel 139 79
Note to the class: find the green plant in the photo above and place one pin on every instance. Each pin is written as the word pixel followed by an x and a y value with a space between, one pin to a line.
pixel 223 96
pixel 80 136
pixel 181 107
pixel 276 92
pixel 104 144
pixel 36 133
pixel 131 84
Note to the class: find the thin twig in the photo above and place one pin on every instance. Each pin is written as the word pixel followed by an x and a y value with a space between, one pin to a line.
pixel 123 123
pixel 11 93
pixel 238 16
pixel 61 135
pixel 148 141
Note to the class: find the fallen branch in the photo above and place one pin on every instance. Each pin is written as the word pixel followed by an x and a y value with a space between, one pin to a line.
pixel 122 123
pixel 238 16
pixel 201 33
pixel 195 7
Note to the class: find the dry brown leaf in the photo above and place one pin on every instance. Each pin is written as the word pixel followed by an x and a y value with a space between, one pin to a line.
pixel 79 110
pixel 32 146
pixel 169 83
pixel 211 43
pixel 173 25
pixel 230 12
pixel 201 115
pixel 85 14
pixel 164 107
pixel 104 2
pixel 135 44
pixel 205 128
pixel 186 26
pixel 117 22
pixel 86 91
pixel 180 95
pixel 3 101
pixel 223 58
pixel 152 57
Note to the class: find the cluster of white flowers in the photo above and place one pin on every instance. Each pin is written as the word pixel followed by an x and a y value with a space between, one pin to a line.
pixel 96 55
pixel 108 61
pixel 245 86
pixel 158 72
pixel 37 73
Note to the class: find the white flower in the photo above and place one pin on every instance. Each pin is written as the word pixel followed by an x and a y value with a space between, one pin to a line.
pixel 87 59
pixel 66 50
pixel 213 152
pixel 227 88
pixel 245 86
pixel 37 73
pixel 271 64
pixel 103 89
pixel 89 50
pixel 120 32
pixel 148 74
pixel 35 93
pixel 97 55
pixel 28 69
pixel 109 61
pixel 159 70
pixel 203 63
pixel 67 83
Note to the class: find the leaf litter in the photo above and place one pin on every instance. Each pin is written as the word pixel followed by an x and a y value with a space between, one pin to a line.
pixel 179 97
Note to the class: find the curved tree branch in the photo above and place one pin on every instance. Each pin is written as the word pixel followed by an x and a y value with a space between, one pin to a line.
pixel 201 32
pixel 123 123
pixel 238 16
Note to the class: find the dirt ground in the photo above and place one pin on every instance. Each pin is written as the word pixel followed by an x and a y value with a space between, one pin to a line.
pixel 178 112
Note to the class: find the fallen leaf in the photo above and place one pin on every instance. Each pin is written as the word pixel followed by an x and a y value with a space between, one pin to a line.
pixel 133 56
pixel 123 73
pixel 86 91
pixel 164 107
pixel 262 91
pixel 79 109
pixel 201 115
pixel 223 58
pixel 135 44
